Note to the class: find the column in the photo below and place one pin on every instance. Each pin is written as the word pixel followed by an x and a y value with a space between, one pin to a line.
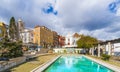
pixel 109 48
pixel 112 49
pixel 92 51
pixel 98 50
pixel 104 50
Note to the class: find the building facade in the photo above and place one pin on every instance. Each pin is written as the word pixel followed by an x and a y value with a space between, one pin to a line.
pixel 20 27
pixel 43 36
pixel 61 41
pixel 71 39
pixel 27 36
pixel 55 39
pixel 109 47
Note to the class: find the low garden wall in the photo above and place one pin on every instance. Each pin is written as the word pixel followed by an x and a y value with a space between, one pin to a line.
pixel 13 62
pixel 4 65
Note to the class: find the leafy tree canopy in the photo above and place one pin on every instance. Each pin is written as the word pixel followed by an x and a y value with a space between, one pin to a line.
pixel 86 41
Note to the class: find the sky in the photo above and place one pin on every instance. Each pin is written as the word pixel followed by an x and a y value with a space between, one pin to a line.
pixel 97 18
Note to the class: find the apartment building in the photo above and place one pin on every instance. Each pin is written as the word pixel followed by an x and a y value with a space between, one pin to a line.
pixel 43 36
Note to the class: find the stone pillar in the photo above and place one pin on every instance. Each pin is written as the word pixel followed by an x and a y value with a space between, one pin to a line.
pixel 104 49
pixel 109 48
pixel 92 51
pixel 98 50
pixel 112 49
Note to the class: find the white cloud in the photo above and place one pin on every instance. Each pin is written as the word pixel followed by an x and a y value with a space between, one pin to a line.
pixel 3 20
pixel 118 12
pixel 90 17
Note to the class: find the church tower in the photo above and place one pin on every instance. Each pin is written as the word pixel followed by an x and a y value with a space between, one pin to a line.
pixel 20 26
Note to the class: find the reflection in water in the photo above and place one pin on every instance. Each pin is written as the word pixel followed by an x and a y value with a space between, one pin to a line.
pixel 108 71
pixel 92 63
pixel 68 62
pixel 76 64
pixel 59 61
pixel 98 68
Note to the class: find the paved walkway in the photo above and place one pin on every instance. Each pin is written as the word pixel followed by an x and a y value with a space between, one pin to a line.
pixel 16 61
pixel 113 67
pixel 44 66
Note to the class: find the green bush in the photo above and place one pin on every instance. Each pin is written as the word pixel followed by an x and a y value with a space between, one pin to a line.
pixel 11 49
pixel 65 51
pixel 105 57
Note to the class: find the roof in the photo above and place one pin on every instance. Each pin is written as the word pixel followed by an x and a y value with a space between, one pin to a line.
pixel 76 35
pixel 37 26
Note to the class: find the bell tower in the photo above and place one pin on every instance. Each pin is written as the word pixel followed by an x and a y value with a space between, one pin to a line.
pixel 20 26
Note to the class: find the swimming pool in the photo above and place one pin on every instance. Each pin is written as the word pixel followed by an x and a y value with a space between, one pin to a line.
pixel 75 64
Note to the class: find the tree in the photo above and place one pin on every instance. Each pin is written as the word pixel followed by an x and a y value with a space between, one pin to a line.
pixel 86 42
pixel 10 49
pixel 3 46
pixel 15 49
pixel 12 29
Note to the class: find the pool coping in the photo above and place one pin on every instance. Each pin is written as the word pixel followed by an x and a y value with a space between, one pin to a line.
pixel 45 65
pixel 110 66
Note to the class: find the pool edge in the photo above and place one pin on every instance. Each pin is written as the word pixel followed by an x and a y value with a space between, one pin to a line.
pixel 110 66
pixel 45 65
pixel 107 65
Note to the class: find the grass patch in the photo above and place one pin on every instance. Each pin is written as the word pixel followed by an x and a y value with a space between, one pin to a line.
pixel 30 65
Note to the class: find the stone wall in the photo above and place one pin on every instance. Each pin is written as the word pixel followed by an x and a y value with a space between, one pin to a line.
pixel 13 62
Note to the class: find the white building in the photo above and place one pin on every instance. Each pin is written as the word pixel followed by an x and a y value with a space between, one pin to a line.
pixel 117 47
pixel 109 47
pixel 71 39
pixel 20 27
pixel 27 36
pixel 114 49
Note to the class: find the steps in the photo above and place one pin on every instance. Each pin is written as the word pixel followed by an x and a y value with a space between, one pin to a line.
pixel 43 50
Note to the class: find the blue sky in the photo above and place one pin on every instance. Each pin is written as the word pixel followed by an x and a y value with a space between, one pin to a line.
pixel 99 18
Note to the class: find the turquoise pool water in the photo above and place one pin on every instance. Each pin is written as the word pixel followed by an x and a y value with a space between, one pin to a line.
pixel 75 64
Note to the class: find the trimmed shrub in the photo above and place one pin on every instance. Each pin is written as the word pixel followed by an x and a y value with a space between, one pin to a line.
pixel 105 57
pixel 50 51
pixel 65 51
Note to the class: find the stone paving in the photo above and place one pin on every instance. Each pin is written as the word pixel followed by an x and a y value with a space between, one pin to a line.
pixel 110 66
pixel 45 65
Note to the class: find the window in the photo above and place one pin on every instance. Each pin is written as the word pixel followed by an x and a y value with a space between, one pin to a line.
pixel 68 39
